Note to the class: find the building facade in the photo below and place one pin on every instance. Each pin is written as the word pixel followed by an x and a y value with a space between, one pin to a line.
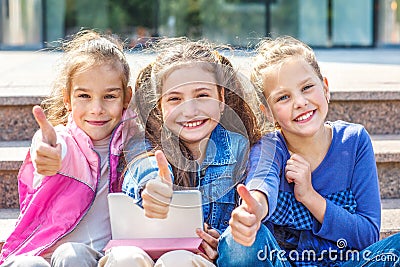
pixel 36 24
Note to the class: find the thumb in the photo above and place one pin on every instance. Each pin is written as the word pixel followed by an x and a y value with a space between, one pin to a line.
pixel 48 133
pixel 163 170
pixel 247 198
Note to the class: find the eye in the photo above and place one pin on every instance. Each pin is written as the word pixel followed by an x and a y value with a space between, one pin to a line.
pixel 282 98
pixel 203 95
pixel 173 99
pixel 84 96
pixel 110 96
pixel 307 87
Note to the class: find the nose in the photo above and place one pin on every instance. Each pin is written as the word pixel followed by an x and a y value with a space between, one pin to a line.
pixel 189 108
pixel 300 101
pixel 96 106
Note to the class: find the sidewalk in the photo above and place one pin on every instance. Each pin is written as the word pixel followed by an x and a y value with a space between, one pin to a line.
pixel 31 73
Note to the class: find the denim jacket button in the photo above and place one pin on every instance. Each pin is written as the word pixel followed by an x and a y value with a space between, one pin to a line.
pixel 226 223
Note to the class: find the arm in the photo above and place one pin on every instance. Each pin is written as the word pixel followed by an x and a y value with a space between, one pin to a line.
pixel 361 228
pixel 260 195
pixel 47 149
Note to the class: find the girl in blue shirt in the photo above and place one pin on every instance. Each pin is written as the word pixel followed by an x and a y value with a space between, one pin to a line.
pixel 312 192
pixel 192 107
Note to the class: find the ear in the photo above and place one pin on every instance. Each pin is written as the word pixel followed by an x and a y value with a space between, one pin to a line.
pixel 67 101
pixel 326 90
pixel 267 112
pixel 127 97
pixel 222 100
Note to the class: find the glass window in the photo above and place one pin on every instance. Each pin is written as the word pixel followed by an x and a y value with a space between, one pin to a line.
pixel 352 24
pixel 21 24
pixel 389 24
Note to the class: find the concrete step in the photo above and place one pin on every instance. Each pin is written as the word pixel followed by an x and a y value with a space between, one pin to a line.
pixel 378 111
pixel 368 94
pixel 386 147
pixel 390 219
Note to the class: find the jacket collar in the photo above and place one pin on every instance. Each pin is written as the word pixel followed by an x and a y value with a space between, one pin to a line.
pixel 219 149
pixel 121 132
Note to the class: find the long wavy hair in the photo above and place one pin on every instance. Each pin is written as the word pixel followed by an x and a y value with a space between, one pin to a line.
pixel 175 53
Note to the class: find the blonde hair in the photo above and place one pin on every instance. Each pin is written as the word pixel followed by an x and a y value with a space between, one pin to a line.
pixel 86 49
pixel 175 53
pixel 273 52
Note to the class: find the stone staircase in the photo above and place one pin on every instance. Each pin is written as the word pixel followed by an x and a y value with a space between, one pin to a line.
pixel 368 94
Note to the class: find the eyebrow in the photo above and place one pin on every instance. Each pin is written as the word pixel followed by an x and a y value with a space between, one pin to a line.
pixel 107 90
pixel 171 91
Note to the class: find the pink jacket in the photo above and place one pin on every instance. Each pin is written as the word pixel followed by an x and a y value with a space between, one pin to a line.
pixel 54 208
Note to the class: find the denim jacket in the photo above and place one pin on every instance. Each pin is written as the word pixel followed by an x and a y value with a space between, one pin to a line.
pixel 222 169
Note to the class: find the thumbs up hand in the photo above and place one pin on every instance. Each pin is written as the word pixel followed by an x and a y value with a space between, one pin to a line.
pixel 246 219
pixel 48 152
pixel 157 194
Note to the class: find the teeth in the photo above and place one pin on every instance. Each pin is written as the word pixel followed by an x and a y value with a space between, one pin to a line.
pixel 192 124
pixel 304 117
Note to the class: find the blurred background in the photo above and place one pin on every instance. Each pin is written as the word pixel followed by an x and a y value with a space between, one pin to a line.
pixel 36 24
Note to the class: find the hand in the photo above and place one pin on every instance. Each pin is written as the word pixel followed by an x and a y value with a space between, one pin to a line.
pixel 48 153
pixel 209 243
pixel 298 171
pixel 157 194
pixel 246 219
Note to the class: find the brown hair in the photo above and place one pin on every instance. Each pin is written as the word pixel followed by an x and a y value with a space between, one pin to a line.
pixel 86 49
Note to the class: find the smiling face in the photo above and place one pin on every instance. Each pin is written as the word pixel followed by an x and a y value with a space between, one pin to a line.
pixel 191 104
pixel 97 100
pixel 298 99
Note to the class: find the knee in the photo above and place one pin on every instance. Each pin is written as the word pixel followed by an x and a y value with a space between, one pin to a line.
pixel 231 253
pixel 75 254
pixel 181 258
pixel 27 261
pixel 126 256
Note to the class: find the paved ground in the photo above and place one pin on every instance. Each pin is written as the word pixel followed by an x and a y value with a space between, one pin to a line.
pixel 31 73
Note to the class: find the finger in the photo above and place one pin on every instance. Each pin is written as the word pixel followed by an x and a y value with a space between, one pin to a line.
pixel 210 250
pixel 48 132
pixel 163 170
pixel 157 197
pixel 241 216
pixel 159 191
pixel 251 202
pixel 49 152
pixel 210 237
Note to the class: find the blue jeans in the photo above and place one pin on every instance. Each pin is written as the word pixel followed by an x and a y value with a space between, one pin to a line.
pixel 384 253
pixel 265 251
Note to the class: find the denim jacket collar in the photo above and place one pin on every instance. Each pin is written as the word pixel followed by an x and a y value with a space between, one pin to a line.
pixel 220 154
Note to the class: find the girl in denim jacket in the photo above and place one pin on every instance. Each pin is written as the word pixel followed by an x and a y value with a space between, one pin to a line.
pixel 71 167
pixel 192 107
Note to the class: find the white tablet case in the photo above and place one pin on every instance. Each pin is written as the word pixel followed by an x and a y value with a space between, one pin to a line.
pixel 129 222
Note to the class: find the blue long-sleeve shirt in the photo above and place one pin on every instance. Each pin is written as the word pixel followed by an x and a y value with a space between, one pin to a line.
pixel 347 178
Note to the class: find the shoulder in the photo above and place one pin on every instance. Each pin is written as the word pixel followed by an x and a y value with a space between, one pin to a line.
pixel 274 138
pixel 347 131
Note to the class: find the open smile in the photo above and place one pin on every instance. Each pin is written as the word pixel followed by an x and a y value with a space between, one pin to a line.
pixel 305 116
pixel 193 124
pixel 97 123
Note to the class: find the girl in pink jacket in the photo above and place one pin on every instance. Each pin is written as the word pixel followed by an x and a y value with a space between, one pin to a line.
pixel 71 167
